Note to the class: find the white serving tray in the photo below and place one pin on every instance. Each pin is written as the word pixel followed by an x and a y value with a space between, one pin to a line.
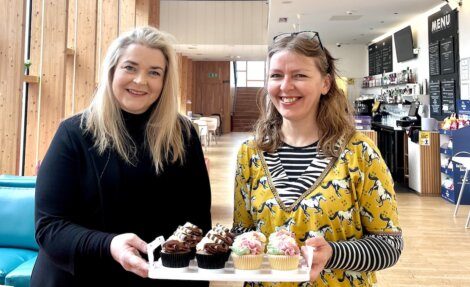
pixel 229 273
pixel 264 274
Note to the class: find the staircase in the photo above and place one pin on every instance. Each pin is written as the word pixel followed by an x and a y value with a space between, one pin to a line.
pixel 246 110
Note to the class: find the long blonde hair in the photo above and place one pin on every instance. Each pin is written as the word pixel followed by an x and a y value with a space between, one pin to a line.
pixel 165 128
pixel 334 116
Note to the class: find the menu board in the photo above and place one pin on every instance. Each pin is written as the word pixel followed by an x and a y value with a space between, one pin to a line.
pixel 387 62
pixel 378 62
pixel 371 49
pixel 447 55
pixel 380 57
pixel 434 69
pixel 444 78
pixel 435 95
pixel 448 96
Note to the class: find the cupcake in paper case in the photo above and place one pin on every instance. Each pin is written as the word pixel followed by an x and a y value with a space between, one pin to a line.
pixel 191 234
pixel 224 234
pixel 175 253
pixel 248 250
pixel 213 250
pixel 283 251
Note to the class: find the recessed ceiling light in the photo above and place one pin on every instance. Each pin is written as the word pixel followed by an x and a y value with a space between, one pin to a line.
pixel 396 13
pixel 349 12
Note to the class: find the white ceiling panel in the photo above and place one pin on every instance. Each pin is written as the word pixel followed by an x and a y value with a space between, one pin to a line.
pixel 222 29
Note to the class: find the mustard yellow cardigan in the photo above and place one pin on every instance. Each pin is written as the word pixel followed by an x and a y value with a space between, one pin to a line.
pixel 354 195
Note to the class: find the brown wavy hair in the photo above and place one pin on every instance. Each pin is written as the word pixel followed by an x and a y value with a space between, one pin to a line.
pixel 334 117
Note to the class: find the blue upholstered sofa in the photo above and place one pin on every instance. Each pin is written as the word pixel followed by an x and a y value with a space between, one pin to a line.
pixel 18 248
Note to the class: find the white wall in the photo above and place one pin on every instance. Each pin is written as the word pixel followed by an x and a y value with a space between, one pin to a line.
pixel 352 60
pixel 352 64
pixel 419 26
pixel 464 30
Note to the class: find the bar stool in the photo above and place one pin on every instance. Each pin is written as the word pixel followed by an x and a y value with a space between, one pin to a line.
pixel 465 162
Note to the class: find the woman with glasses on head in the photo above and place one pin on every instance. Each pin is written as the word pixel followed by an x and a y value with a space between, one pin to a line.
pixel 111 180
pixel 307 170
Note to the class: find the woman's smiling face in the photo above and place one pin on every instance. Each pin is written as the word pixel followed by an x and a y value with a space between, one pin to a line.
pixel 138 78
pixel 295 85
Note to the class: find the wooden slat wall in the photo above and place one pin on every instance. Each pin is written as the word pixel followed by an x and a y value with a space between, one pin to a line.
pixel 126 15
pixel 212 95
pixel 371 134
pixel 430 167
pixel 51 99
pixel 67 81
pixel 11 86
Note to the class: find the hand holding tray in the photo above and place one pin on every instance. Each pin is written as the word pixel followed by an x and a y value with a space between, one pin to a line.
pixel 229 273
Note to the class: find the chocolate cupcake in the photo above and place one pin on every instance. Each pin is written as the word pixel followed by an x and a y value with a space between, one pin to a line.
pixel 214 249
pixel 175 253
pixel 190 234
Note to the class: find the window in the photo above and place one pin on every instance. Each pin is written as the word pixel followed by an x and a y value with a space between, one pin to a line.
pixel 251 73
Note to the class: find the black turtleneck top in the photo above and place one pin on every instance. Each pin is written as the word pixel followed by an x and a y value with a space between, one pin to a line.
pixel 83 199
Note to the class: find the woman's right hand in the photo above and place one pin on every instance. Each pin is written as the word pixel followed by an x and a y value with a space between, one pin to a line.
pixel 125 250
pixel 322 254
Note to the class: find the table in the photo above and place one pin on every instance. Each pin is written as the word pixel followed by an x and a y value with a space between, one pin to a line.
pixel 465 161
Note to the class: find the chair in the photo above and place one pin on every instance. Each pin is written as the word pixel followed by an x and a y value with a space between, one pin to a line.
pixel 196 116
pixel 202 131
pixel 465 162
pixel 211 128
pixel 219 123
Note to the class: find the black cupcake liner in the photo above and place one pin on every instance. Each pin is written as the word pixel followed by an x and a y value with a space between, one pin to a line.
pixel 175 260
pixel 192 253
pixel 212 261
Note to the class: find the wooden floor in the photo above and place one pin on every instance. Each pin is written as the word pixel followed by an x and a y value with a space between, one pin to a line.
pixel 437 245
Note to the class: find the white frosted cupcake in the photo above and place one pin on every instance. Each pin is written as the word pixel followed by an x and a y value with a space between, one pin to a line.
pixel 248 250
pixel 283 251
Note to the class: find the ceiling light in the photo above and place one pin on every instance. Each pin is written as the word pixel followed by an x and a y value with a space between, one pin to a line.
pixel 282 19
pixel 349 12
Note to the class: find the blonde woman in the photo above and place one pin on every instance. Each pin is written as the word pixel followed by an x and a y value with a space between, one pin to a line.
pixel 309 171
pixel 126 170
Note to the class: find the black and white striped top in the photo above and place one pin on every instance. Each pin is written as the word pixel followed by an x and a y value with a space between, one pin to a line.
pixel 295 169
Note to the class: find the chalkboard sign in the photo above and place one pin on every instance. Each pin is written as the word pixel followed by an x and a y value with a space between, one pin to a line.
pixel 444 87
pixel 447 94
pixel 371 60
pixel 447 56
pixel 435 95
pixel 387 60
pixel 380 57
pixel 434 68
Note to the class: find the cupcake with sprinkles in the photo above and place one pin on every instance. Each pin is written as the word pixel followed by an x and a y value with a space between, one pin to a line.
pixel 248 250
pixel 283 251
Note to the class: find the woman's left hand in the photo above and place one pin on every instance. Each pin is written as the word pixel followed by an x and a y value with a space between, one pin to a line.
pixel 125 250
pixel 322 254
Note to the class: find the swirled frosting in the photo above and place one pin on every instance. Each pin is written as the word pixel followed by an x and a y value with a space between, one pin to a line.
pixel 249 243
pixel 175 246
pixel 283 242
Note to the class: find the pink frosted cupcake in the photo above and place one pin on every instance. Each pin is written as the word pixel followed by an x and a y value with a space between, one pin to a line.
pixel 248 250
pixel 283 251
